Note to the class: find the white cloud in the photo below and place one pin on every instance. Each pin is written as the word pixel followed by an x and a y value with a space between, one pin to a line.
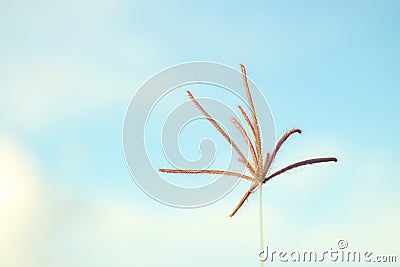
pixel 41 93
pixel 19 202
pixel 64 61
pixel 85 227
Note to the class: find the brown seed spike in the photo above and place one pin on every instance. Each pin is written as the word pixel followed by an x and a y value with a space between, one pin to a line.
pixel 246 195
pixel 299 164
pixel 268 162
pixel 260 168
pixel 208 172
pixel 246 118
pixel 247 139
pixel 252 110
pixel 222 132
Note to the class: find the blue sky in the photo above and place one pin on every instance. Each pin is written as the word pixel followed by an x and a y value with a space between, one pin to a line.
pixel 69 69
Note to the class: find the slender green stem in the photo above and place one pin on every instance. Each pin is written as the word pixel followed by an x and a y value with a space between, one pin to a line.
pixel 261 225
